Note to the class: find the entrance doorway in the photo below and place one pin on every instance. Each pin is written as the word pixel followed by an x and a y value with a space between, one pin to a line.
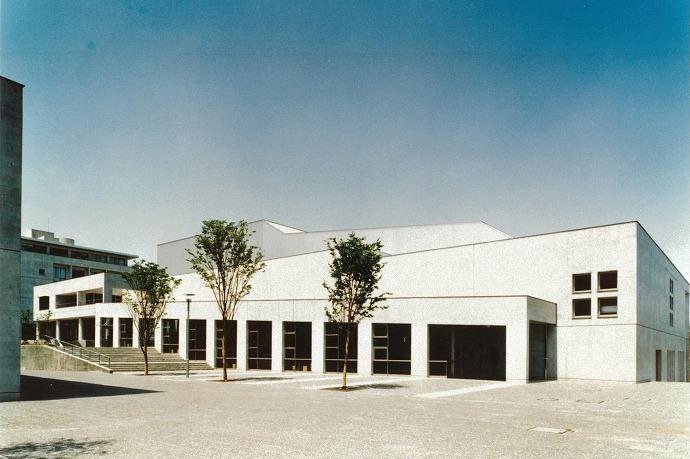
pixel 197 339
pixel 171 336
pixel 106 332
pixel 537 351
pixel 468 351
pixel 296 346
pixel 391 349
pixel 335 347
pixel 230 344
pixel 126 332
pixel 258 345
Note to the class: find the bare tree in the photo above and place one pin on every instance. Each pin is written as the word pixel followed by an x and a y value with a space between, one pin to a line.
pixel 356 270
pixel 226 262
pixel 151 289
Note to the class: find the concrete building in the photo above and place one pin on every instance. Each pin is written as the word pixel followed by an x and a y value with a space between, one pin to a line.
pixel 46 258
pixel 468 301
pixel 11 115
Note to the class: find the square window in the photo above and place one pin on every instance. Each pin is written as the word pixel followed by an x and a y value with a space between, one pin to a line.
pixel 608 280
pixel 582 282
pixel 43 303
pixel 582 307
pixel 41 271
pixel 608 306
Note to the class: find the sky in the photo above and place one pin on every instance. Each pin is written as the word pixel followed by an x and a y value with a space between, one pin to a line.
pixel 141 119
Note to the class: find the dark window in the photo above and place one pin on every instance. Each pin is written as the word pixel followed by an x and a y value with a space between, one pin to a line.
pixel 64 301
pixel 147 329
pixel 670 285
pixel 297 346
pixel 670 303
pixel 41 271
pixel 670 319
pixel 59 272
pixel 608 280
pixel 126 332
pixel 171 336
pixel 118 261
pixel 608 306
pixel 35 248
pixel 230 344
pixel 582 282
pixel 391 345
pixel 98 257
pixel 582 307
pixel 258 345
pixel 94 298
pixel 117 298
pixel 58 251
pixel 106 332
pixel 78 272
pixel 197 340
pixel 335 347
pixel 79 255
pixel 43 302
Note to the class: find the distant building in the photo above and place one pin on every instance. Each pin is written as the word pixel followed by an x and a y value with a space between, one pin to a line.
pixel 468 301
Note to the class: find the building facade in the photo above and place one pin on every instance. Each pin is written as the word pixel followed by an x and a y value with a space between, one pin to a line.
pixel 11 116
pixel 468 301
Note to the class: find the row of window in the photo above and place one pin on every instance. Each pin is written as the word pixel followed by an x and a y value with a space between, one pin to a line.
pixel 64 272
pixel 73 253
pixel 607 281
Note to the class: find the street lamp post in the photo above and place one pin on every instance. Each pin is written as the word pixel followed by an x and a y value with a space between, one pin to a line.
pixel 189 301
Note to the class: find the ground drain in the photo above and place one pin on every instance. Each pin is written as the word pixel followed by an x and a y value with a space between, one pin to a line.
pixel 550 430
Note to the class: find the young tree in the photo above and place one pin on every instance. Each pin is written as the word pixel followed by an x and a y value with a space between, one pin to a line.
pixel 151 291
pixel 356 270
pixel 226 262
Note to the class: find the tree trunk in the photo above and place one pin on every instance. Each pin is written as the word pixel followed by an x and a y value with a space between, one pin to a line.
pixel 225 336
pixel 145 350
pixel 347 352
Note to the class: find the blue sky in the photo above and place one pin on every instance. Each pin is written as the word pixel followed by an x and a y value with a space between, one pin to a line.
pixel 143 118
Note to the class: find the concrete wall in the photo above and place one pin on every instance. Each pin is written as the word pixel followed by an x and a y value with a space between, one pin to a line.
pixel 655 331
pixel 38 357
pixel 11 113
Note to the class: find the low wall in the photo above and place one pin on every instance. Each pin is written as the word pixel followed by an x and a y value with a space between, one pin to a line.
pixel 41 357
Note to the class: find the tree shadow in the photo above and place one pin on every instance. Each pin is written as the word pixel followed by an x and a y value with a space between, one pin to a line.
pixel 35 388
pixel 365 386
pixel 63 447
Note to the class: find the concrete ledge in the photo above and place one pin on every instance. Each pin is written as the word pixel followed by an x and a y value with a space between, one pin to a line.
pixel 42 357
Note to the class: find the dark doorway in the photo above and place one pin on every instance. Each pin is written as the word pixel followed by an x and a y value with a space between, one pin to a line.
pixel 147 325
pixel 296 346
pixel 197 339
pixel 537 351
pixel 69 330
pixel 88 331
pixel 230 344
pixel 335 347
pixel 391 349
pixel 467 351
pixel 46 329
pixel 258 345
pixel 658 365
pixel 106 332
pixel 171 336
pixel 126 332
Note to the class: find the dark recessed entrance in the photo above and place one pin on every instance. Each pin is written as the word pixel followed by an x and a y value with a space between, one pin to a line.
pixel 467 351
pixel 197 340
pixel 230 344
pixel 537 351
pixel 171 336
pixel 69 329
pixel 106 332
pixel 258 345
pixel 296 346
pixel 335 347
pixel 126 332
pixel 391 349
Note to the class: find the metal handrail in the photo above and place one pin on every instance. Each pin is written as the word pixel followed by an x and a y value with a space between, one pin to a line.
pixel 80 351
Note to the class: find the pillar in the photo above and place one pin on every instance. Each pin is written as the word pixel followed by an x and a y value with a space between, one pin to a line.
pixel 364 348
pixel 241 344
pixel 276 345
pixel 419 349
pixel 211 342
pixel 97 331
pixel 116 332
pixel 317 346
pixel 57 329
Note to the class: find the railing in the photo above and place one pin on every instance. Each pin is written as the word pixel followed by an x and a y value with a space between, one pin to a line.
pixel 81 352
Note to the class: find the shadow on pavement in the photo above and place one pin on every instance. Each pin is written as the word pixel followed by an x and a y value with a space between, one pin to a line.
pixel 63 447
pixel 36 388
pixel 366 386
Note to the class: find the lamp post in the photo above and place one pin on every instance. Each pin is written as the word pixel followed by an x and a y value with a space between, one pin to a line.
pixel 189 301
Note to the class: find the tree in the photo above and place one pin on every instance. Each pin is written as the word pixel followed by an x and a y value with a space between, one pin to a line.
pixel 226 262
pixel 356 270
pixel 151 291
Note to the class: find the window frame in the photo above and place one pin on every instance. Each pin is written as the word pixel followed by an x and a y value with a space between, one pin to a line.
pixel 606 316
pixel 572 280
pixel 599 273
pixel 573 316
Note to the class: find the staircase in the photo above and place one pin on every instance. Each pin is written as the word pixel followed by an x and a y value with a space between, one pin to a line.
pixel 131 359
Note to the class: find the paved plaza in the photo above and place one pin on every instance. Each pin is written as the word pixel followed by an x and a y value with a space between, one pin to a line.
pixel 282 415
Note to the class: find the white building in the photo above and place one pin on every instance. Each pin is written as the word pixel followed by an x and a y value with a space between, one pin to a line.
pixel 468 301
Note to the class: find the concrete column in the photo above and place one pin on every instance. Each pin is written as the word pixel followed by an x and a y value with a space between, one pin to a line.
pixel 364 348
pixel 277 345
pixel 517 350
pixel 97 331
pixel 158 336
pixel 80 329
pixel 116 332
pixel 135 333
pixel 241 344
pixel 419 348
pixel 183 337
pixel 57 329
pixel 211 342
pixel 317 347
